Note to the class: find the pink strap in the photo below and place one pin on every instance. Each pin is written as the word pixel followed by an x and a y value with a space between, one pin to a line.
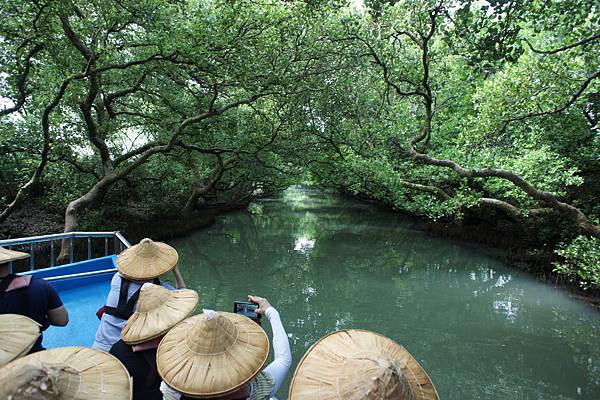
pixel 19 282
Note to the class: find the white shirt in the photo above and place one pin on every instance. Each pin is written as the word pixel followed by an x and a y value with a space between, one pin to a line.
pixel 282 362
pixel 109 331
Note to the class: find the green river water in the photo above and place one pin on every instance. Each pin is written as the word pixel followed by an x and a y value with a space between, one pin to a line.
pixel 481 329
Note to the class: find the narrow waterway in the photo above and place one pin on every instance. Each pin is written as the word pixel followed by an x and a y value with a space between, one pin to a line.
pixel 481 329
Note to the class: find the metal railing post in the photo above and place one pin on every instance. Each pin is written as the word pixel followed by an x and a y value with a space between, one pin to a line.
pixel 89 248
pixel 71 251
pixel 124 242
pixel 10 264
pixel 32 257
pixel 52 253
pixel 105 246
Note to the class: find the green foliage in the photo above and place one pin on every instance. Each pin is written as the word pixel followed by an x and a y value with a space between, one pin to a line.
pixel 486 33
pixel 472 105
pixel 234 66
pixel 217 101
pixel 580 261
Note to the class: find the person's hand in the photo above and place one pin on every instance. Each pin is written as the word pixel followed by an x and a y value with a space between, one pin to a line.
pixel 179 282
pixel 263 304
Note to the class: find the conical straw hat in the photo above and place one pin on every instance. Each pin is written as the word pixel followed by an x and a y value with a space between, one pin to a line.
pixel 67 373
pixel 360 365
pixel 19 333
pixel 7 255
pixel 146 260
pixel 158 310
pixel 212 354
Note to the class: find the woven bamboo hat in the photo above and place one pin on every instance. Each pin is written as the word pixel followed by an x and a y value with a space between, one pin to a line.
pixel 146 260
pixel 7 256
pixel 19 333
pixel 67 373
pixel 360 365
pixel 158 310
pixel 212 354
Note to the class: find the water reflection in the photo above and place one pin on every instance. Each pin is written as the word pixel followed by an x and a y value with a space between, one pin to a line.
pixel 304 245
pixel 482 330
pixel 506 307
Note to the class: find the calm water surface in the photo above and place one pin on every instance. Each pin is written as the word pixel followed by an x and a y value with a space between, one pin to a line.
pixel 481 329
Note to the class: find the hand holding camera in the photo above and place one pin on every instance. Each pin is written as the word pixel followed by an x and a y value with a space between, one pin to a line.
pixel 254 309
pixel 263 304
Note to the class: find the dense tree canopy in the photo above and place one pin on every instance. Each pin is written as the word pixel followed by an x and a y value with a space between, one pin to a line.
pixel 437 108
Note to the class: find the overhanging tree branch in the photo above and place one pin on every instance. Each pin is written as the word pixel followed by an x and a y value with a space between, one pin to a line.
pixel 149 151
pixel 567 47
pixel 544 197
pixel 572 99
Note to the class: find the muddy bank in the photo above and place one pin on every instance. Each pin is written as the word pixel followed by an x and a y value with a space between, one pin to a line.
pixel 167 228
pixel 36 219
pixel 33 219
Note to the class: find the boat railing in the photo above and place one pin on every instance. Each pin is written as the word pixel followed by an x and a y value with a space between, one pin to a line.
pixel 28 244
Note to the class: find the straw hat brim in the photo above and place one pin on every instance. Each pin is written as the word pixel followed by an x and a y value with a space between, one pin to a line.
pixel 19 333
pixel 200 375
pixel 7 255
pixel 144 326
pixel 79 373
pixel 321 369
pixel 133 265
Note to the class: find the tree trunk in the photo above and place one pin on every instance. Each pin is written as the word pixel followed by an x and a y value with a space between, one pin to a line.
pixel 75 207
pixel 198 190
pixel 190 205
pixel 19 198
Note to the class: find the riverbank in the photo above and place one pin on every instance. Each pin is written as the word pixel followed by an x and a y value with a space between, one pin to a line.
pixel 35 219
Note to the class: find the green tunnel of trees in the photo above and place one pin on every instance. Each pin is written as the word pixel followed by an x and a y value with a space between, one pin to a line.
pixel 440 109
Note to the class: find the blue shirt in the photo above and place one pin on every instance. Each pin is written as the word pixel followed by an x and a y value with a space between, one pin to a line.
pixel 34 302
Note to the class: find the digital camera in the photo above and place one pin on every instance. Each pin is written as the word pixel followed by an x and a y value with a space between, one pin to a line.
pixel 247 310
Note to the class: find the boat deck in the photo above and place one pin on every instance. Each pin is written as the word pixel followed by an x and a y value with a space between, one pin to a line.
pixel 82 296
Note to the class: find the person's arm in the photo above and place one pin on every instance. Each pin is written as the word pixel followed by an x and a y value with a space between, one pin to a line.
pixel 279 367
pixel 57 313
pixel 168 393
pixel 179 282
pixel 58 316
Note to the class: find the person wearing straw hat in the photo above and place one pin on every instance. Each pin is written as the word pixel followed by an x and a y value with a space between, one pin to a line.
pixel 158 310
pixel 19 333
pixel 144 262
pixel 360 365
pixel 29 296
pixel 67 373
pixel 220 355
